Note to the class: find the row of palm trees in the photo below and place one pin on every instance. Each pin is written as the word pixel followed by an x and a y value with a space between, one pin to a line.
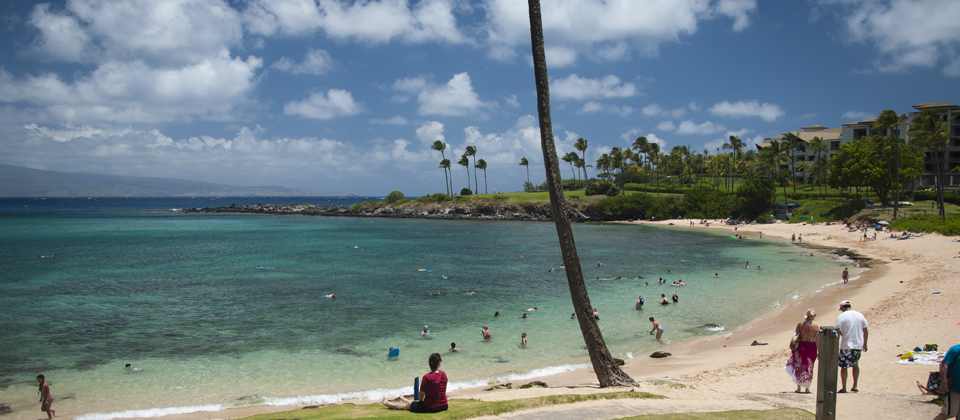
pixel 465 162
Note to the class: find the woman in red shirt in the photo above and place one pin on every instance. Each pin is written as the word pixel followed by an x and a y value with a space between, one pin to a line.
pixel 433 392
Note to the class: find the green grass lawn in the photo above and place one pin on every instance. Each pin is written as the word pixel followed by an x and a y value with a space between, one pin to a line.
pixel 466 409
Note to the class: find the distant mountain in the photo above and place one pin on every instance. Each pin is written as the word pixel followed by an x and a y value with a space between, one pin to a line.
pixel 18 181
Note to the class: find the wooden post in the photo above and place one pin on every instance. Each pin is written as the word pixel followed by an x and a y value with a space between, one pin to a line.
pixel 827 366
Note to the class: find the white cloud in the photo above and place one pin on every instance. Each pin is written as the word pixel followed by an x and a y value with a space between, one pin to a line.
pixel 430 132
pixel 212 89
pixel 741 109
pixel 690 127
pixel 559 56
pixel 316 62
pixel 906 33
pixel 335 103
pixel 592 107
pixel 666 126
pixel 398 120
pixel 171 32
pixel 652 138
pixel 369 21
pixel 455 98
pixel 512 101
pixel 605 30
pixel 655 110
pixel 857 116
pixel 575 87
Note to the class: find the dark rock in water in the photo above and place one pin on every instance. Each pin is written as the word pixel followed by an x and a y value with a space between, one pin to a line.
pixel 5 409
pixel 620 362
pixel 346 350
pixel 533 384
pixel 660 354
pixel 508 385
pixel 90 363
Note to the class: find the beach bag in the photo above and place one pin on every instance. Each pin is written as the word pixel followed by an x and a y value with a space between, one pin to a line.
pixel 795 340
pixel 929 347
pixel 933 382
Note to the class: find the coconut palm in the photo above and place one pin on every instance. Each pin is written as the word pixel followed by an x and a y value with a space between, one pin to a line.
pixel 641 145
pixel 441 146
pixel 604 365
pixel 445 165
pixel 482 165
pixel 465 162
pixel 581 145
pixel 570 158
pixel 929 131
pixel 472 151
pixel 525 162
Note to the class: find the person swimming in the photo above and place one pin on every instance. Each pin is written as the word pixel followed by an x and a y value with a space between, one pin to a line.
pixel 664 300
pixel 425 332
pixel 640 302
pixel 675 297
pixel 453 347
pixel 330 296
pixel 130 368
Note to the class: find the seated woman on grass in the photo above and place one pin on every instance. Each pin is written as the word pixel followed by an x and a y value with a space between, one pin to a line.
pixel 433 392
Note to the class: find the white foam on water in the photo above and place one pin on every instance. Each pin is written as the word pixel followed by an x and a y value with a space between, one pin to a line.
pixel 718 328
pixel 151 412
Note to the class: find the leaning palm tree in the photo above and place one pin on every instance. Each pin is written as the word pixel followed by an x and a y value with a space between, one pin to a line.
pixel 525 162
pixel 640 145
pixel 581 146
pixel 441 146
pixel 570 158
pixel 472 151
pixel 608 374
pixel 482 165
pixel 465 162
pixel 445 165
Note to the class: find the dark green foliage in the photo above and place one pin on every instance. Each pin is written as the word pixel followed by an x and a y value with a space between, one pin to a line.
pixel 466 191
pixel 602 187
pixel 394 196
pixel 928 223
pixel 668 207
pixel 753 197
pixel 434 198
pixel 763 217
pixel 632 206
pixel 531 187
pixel 705 203
pixel 573 184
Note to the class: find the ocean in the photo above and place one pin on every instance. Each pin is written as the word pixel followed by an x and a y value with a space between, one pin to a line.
pixel 227 310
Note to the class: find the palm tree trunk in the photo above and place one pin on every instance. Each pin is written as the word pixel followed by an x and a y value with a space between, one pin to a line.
pixel 485 181
pixel 604 365
pixel 446 180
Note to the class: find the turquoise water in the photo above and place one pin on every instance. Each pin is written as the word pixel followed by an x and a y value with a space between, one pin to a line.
pixel 181 296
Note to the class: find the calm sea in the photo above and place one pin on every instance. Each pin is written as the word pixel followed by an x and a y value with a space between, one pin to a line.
pixel 226 310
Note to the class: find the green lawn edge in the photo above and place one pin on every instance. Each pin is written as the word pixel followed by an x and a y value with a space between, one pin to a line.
pixel 459 408
pixel 776 414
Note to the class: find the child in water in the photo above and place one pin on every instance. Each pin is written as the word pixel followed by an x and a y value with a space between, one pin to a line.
pixel 523 339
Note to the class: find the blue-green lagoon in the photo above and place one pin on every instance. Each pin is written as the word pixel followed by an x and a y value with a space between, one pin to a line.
pixel 225 310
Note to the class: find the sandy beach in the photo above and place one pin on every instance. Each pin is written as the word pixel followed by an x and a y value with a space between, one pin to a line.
pixel 908 296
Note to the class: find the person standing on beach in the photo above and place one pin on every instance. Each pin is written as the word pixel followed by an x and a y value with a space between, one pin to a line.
pixel 433 392
pixel 950 384
pixel 845 276
pixel 853 341
pixel 800 238
pixel 46 400
pixel 804 356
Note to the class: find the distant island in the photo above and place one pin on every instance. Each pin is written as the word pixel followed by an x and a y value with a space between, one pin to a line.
pixel 16 181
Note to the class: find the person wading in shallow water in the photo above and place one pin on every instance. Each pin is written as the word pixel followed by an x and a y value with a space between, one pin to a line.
pixel 46 400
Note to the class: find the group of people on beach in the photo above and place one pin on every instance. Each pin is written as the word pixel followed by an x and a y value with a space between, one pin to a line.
pixel 804 346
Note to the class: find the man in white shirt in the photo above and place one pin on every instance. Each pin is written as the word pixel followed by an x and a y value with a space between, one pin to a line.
pixel 853 336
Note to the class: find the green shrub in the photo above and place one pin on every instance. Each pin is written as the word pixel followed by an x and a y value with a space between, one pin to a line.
pixel 763 217
pixel 932 196
pixel 434 198
pixel 394 196
pixel 602 187
pixel 466 191
pixel 633 206
pixel 573 184
pixel 824 211
pixel 754 197
pixel 706 203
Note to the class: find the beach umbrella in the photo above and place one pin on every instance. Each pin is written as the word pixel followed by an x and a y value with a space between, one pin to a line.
pixel 883 222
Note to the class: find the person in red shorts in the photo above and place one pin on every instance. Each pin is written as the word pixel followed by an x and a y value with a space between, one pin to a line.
pixel 433 392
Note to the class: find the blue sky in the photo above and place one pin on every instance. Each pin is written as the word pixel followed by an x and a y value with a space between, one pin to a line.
pixel 348 96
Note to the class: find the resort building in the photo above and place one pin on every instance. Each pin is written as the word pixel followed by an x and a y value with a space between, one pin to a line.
pixel 804 155
pixel 950 154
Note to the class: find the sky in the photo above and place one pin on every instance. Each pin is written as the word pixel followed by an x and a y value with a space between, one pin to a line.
pixel 348 96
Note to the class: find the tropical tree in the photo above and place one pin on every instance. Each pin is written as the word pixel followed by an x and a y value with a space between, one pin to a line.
pixel 604 365
pixel 571 157
pixel 603 165
pixel 777 153
pixel 472 151
pixel 581 146
pixel 445 165
pixel 465 162
pixel 817 146
pixel 653 149
pixel 889 122
pixel 793 142
pixel 525 162
pixel 641 145
pixel 930 133
pixel 440 147
pixel 736 145
pixel 482 165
